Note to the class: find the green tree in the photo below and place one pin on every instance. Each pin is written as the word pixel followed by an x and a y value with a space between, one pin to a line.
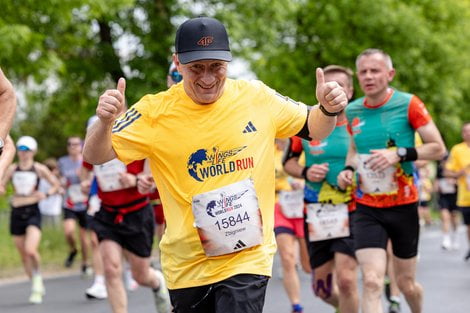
pixel 63 54
pixel 428 41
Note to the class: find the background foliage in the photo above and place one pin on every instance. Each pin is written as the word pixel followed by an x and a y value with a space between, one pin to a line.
pixel 61 54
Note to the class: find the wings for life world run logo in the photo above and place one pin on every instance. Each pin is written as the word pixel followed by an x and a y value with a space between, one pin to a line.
pixel 203 164
pixel 226 203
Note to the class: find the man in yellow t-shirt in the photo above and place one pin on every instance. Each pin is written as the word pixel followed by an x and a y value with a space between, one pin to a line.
pixel 458 166
pixel 209 140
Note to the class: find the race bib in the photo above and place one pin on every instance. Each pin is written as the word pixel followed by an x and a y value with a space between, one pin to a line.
pixel 75 193
pixel 108 175
pixel 376 182
pixel 447 186
pixel 24 182
pixel 327 221
pixel 228 219
pixel 292 203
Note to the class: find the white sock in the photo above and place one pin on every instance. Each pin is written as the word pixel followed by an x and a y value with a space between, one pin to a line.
pixel 99 279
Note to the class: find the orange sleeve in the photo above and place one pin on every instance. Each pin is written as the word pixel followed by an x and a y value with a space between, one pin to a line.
pixel 418 115
pixel 296 144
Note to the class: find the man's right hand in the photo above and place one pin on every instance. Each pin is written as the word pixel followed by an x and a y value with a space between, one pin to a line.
pixel 345 179
pixel 112 103
pixel 145 184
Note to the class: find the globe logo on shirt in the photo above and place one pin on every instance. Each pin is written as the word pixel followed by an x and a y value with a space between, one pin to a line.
pixel 196 159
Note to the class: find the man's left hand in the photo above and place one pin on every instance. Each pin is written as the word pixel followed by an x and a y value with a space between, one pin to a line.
pixel 330 94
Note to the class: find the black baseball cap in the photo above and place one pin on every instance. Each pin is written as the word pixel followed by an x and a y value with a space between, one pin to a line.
pixel 202 38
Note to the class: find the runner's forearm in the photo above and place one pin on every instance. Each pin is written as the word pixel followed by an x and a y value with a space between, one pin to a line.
pixel 7 105
pixel 98 146
pixel 320 125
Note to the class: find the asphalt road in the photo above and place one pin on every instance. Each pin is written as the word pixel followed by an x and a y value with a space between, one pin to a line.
pixel 444 275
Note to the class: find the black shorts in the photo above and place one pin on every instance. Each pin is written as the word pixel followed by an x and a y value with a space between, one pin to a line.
pixel 134 233
pixel 80 216
pixel 400 224
pixel 424 203
pixel 466 214
pixel 448 201
pixel 242 293
pixel 323 251
pixel 24 216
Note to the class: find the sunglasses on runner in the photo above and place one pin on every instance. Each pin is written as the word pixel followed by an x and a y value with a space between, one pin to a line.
pixel 176 76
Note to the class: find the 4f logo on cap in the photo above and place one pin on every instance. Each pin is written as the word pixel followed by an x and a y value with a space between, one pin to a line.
pixel 205 41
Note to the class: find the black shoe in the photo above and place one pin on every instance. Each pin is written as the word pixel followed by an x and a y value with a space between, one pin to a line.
pixel 467 257
pixel 70 258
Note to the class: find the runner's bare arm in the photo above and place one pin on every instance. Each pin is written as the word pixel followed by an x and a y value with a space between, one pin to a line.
pixel 293 168
pixel 8 155
pixel 46 174
pixel 6 178
pixel 7 105
pixel 98 146
pixel 433 147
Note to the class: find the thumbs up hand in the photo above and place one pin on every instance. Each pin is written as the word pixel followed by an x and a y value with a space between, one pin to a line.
pixel 330 95
pixel 112 103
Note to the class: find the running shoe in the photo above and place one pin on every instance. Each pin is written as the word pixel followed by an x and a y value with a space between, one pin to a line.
pixel 96 291
pixel 161 295
pixel 394 307
pixel 37 290
pixel 297 308
pixel 446 243
pixel 70 258
pixel 35 298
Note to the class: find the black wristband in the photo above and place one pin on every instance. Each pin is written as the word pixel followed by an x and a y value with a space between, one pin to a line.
pixel 304 173
pixel 411 154
pixel 349 168
pixel 324 111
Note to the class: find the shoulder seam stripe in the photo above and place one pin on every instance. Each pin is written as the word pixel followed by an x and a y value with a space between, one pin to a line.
pixel 132 112
pixel 121 127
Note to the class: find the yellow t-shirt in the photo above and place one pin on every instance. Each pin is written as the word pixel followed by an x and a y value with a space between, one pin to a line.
pixel 459 159
pixel 196 148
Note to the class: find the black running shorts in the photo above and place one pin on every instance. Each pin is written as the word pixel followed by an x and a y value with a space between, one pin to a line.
pixel 374 226
pixel 135 233
pixel 242 293
pixel 80 216
pixel 466 214
pixel 24 216
pixel 448 201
